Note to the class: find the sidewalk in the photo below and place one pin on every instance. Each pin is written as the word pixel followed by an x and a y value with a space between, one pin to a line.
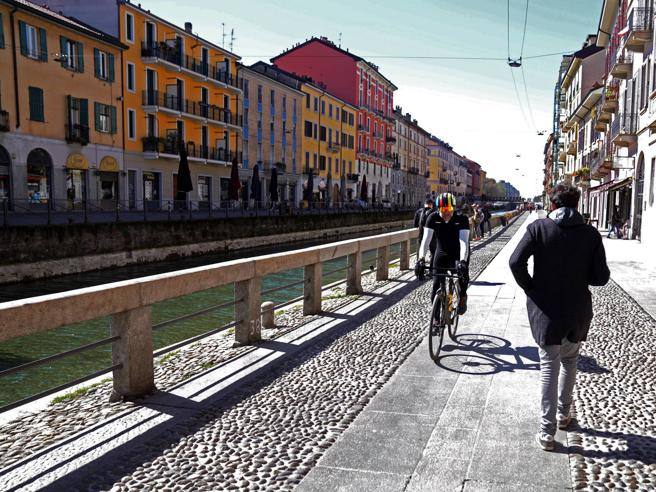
pixel 633 267
pixel 466 424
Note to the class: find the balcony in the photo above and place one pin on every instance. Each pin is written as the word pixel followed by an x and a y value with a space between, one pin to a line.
pixel 562 156
pixel 571 148
pixel 413 170
pixel 4 121
pixel 154 101
pixel 169 147
pixel 390 139
pixel 624 129
pixel 396 165
pixel 77 134
pixel 640 27
pixel 623 66
pixel 353 178
pixel 171 57
pixel 334 147
pixel 600 125
pixel 427 174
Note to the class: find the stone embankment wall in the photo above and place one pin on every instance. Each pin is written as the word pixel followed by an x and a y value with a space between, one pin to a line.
pixel 41 252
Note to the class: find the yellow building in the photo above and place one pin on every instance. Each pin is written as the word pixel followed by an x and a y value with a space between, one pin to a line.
pixel 435 172
pixel 60 123
pixel 178 89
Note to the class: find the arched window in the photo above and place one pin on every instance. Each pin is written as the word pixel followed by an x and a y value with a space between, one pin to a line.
pixel 39 172
pixel 5 164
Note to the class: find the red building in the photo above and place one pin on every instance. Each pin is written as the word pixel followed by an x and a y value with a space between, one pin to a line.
pixel 359 83
pixel 477 183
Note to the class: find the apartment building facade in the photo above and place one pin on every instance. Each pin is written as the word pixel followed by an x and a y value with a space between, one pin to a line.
pixel 180 91
pixel 360 84
pixel 410 152
pixel 272 132
pixel 60 121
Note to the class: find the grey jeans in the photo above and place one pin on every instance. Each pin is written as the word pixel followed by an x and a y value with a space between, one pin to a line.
pixel 557 375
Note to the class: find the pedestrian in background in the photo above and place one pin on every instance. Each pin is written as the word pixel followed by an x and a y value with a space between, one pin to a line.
pixel 486 220
pixel 568 256
pixel 615 223
pixel 421 215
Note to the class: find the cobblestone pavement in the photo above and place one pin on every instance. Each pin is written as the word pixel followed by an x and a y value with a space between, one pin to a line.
pixel 269 433
pixel 613 441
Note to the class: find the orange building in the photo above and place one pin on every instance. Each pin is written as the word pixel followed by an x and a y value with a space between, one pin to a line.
pixel 179 89
pixel 60 123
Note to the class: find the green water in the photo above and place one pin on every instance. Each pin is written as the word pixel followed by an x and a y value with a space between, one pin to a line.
pixel 29 348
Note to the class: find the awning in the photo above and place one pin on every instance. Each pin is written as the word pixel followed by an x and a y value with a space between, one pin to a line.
pixel 602 187
pixel 621 184
pixel 77 161
pixel 108 164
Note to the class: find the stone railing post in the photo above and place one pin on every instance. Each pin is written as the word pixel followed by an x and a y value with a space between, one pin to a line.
pixel 268 320
pixel 354 274
pixel 312 289
pixel 247 311
pixel 404 264
pixel 134 350
pixel 382 263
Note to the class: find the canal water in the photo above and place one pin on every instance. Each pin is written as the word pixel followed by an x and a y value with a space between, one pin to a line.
pixel 29 348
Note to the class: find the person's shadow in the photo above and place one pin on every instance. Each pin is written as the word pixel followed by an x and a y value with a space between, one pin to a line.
pixel 620 445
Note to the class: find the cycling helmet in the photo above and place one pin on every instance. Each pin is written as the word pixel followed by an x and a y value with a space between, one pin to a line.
pixel 446 202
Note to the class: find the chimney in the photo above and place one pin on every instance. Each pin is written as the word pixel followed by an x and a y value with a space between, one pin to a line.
pixel 188 27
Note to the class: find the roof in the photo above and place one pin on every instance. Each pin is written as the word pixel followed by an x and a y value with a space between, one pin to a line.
pixel 68 22
pixel 334 47
pixel 284 77
pixel 576 59
pixel 608 12
pixel 296 87
pixel 409 120
pixel 175 26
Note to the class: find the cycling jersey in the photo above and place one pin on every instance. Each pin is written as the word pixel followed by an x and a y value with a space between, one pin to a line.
pixel 446 235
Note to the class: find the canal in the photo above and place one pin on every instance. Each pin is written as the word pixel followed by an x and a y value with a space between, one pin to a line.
pixel 25 349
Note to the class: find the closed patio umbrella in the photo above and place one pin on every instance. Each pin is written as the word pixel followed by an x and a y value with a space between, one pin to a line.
pixel 310 188
pixel 184 174
pixel 235 183
pixel 256 186
pixel 273 185
pixel 363 189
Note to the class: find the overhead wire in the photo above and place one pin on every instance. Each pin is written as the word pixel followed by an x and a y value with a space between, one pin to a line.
pixel 519 100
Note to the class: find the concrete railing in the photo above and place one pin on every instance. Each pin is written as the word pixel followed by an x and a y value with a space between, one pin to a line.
pixel 129 303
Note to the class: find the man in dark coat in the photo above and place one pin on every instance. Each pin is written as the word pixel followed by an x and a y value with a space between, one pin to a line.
pixel 421 215
pixel 568 256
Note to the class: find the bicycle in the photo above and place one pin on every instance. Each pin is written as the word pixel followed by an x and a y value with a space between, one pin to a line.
pixel 444 311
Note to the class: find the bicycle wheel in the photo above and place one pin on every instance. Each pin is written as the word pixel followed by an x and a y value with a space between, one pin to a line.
pixel 436 328
pixel 454 295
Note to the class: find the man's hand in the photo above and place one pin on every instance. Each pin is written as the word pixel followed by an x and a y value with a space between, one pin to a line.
pixel 462 267
pixel 419 269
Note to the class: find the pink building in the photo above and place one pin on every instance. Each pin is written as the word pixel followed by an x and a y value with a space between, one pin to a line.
pixel 359 83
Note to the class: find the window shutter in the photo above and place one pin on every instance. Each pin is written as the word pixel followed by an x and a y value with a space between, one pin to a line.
pixel 62 51
pixel 112 113
pixel 110 66
pixel 96 116
pixel 43 40
pixel 84 112
pixel 23 37
pixel 36 104
pixel 96 62
pixel 2 34
pixel 80 57
pixel 69 108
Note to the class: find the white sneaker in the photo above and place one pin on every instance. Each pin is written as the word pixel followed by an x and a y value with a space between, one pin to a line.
pixel 545 441
pixel 563 421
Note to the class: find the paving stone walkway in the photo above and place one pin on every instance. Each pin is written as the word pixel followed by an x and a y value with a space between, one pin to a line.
pixel 464 424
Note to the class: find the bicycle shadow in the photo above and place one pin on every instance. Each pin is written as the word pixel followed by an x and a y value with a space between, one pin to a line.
pixel 481 355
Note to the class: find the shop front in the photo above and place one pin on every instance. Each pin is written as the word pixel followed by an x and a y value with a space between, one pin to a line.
pixel 152 189
pixel 39 178
pixel 108 183
pixel 5 183
pixel 77 168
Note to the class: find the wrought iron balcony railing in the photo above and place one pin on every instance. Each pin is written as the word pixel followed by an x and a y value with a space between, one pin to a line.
pixel 77 134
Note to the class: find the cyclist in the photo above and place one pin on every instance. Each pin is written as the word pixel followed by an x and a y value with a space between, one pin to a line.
pixel 450 249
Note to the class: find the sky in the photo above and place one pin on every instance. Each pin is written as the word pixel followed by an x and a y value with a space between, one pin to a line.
pixel 472 104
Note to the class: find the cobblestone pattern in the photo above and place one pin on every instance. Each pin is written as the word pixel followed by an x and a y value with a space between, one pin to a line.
pixel 265 435
pixel 613 440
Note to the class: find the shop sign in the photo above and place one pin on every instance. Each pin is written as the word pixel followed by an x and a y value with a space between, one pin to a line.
pixel 77 161
pixel 108 164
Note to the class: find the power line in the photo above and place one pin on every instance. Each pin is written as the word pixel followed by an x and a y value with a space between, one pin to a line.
pixel 417 57
pixel 528 100
pixel 524 35
pixel 508 27
pixel 519 100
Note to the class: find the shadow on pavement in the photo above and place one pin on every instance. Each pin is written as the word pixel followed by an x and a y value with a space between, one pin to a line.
pixel 589 365
pixel 479 354
pixel 619 445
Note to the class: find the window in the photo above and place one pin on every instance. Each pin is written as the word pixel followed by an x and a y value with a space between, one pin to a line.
pixel 307 101
pixel 2 34
pixel 315 131
pixel 132 124
pixel 71 54
pixel 103 64
pixel 130 77
pixel 652 189
pixel 33 42
pixel 129 27
pixel 105 118
pixel 322 134
pixel 36 104
pixel 330 110
pixel 316 105
pixel 308 129
pixel 323 107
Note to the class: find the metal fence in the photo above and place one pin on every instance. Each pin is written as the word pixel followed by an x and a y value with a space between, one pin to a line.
pixel 74 211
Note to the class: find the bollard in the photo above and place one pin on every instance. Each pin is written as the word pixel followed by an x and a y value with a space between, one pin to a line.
pixel 134 350
pixel 404 264
pixel 312 289
pixel 267 315
pixel 247 311
pixel 354 274
pixel 382 263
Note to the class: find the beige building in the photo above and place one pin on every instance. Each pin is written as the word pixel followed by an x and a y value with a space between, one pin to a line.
pixel 411 164
pixel 272 131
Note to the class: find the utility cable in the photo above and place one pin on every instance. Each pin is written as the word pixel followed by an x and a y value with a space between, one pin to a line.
pixel 508 26
pixel 528 100
pixel 519 100
pixel 521 53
